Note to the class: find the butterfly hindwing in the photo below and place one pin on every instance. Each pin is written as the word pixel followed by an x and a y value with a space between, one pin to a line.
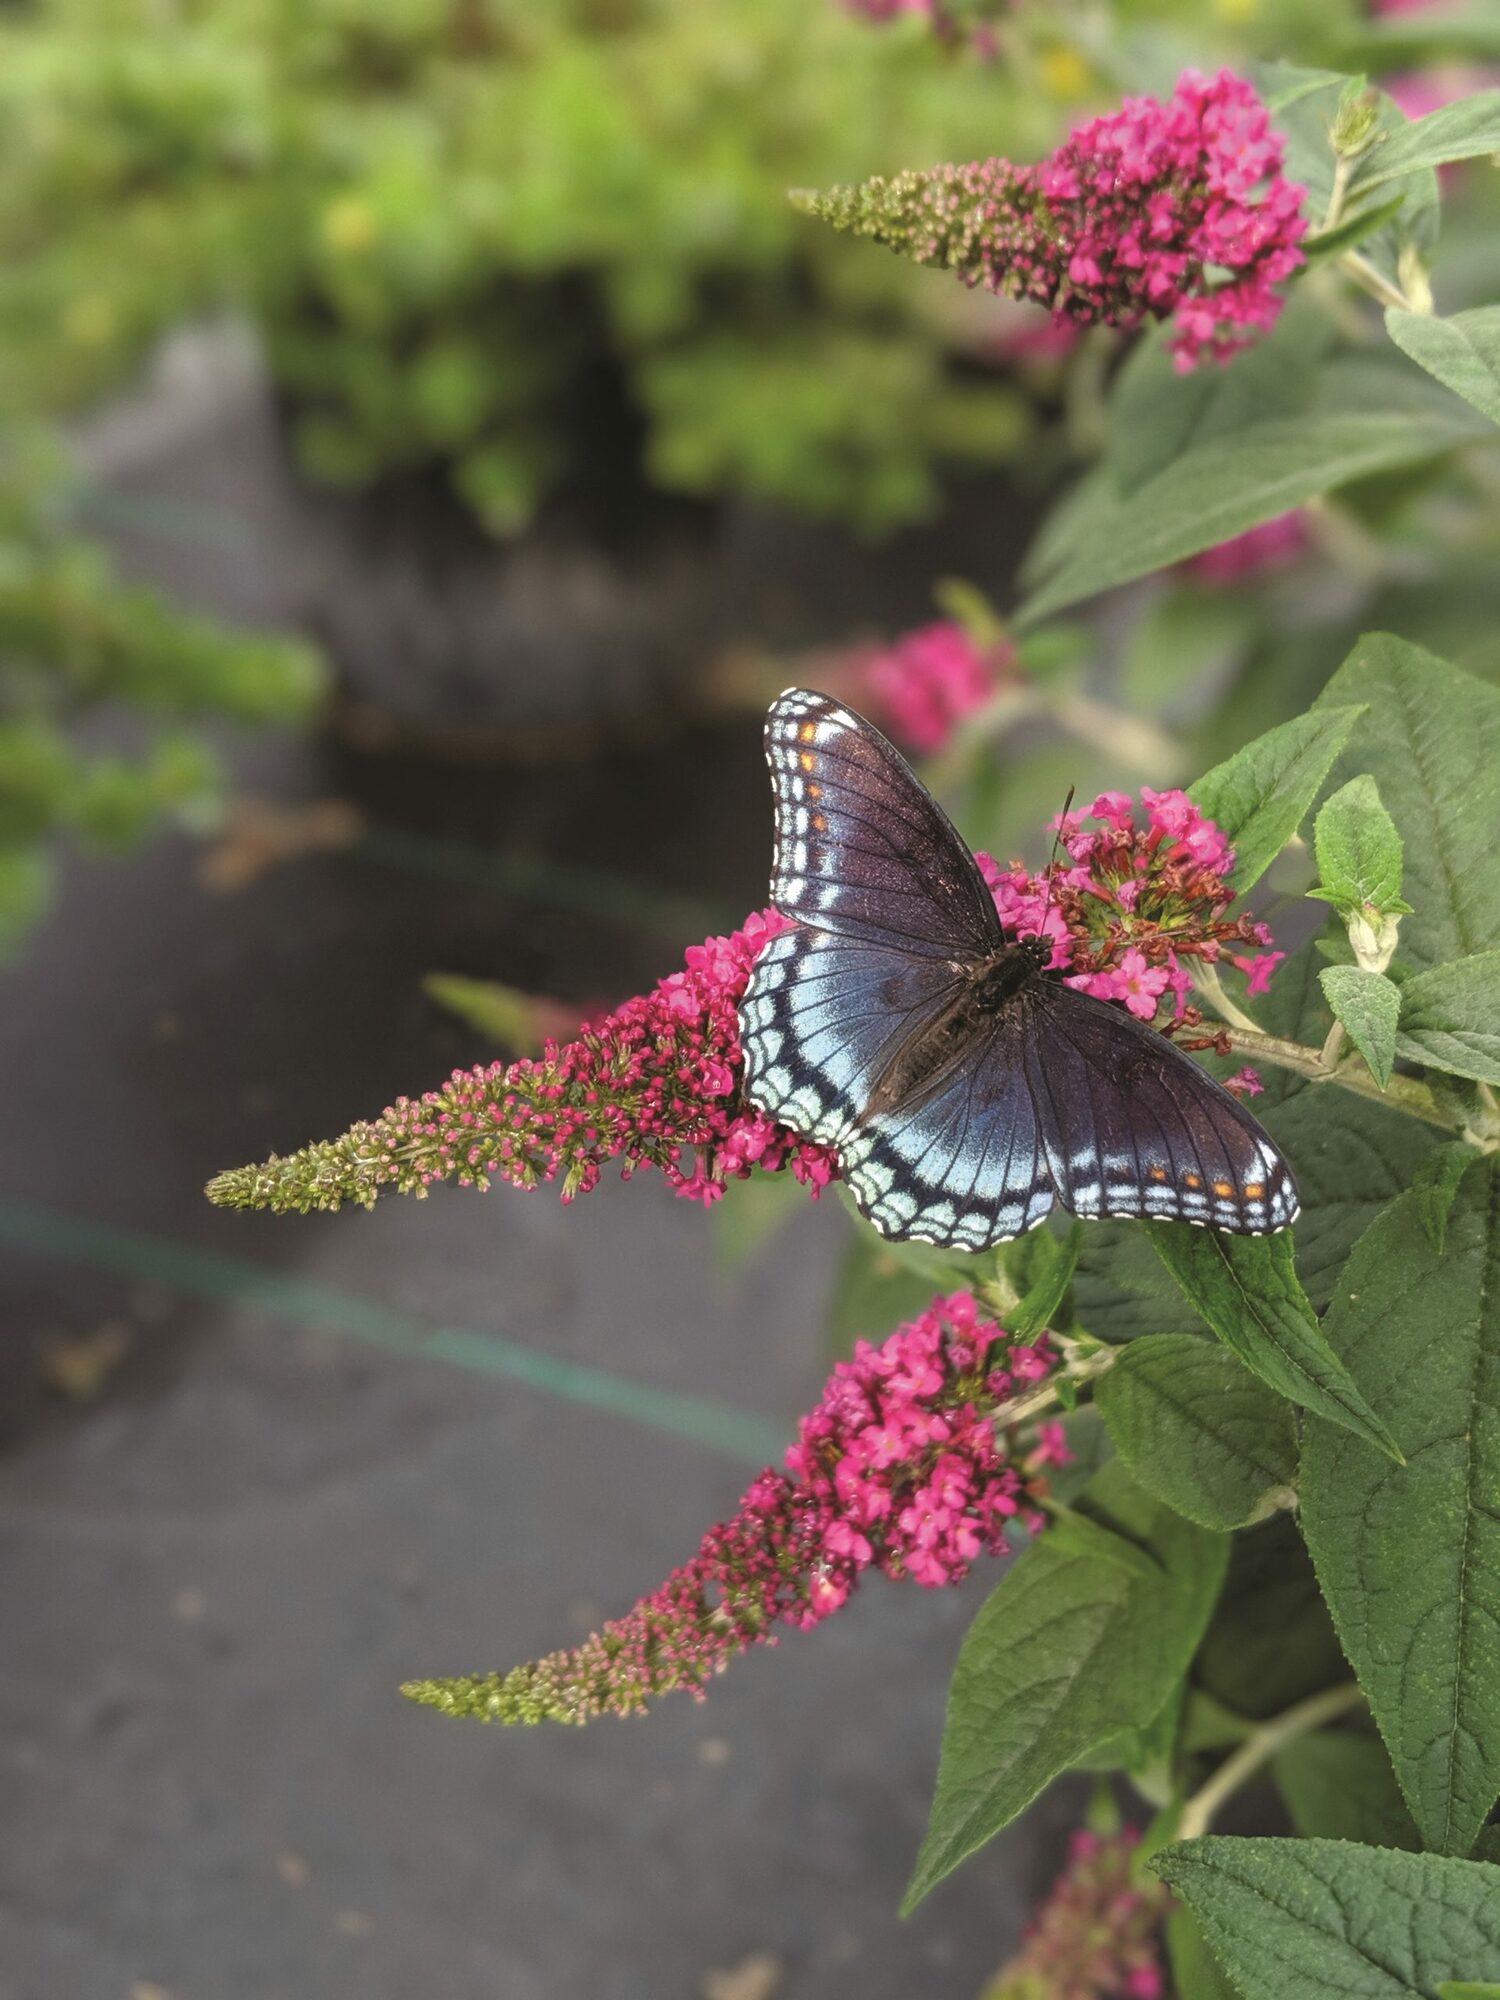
pixel 1133 1127
pixel 821 1017
pixel 967 1168
pixel 862 848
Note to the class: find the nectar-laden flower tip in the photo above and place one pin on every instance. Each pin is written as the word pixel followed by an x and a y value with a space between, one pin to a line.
pixel 1160 210
pixel 899 1468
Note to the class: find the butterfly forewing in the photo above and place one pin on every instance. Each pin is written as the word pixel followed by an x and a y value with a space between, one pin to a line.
pixel 1042 1094
pixel 861 847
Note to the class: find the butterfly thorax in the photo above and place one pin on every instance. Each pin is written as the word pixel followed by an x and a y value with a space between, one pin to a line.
pixel 984 987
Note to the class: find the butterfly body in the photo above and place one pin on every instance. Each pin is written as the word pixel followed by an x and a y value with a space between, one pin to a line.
pixel 966 1088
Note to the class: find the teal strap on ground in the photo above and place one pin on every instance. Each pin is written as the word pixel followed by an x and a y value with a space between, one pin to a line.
pixel 34 1229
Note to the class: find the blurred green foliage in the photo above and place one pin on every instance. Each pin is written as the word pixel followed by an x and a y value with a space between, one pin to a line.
pixel 492 235
pixel 104 690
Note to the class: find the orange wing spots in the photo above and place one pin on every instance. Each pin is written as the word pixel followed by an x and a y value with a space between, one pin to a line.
pixel 808 761
pixel 1191 1180
pixel 1254 1190
pixel 815 791
pixel 820 825
pixel 1158 1173
pixel 808 733
pixel 1223 1189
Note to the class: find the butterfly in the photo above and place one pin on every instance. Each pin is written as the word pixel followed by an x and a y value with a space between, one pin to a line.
pixel 964 1087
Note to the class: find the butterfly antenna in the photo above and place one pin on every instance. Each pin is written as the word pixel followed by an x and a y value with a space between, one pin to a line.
pixel 1052 863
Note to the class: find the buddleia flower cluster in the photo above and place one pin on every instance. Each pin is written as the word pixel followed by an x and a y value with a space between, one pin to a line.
pixel 899 1468
pixel 658 1082
pixel 1162 210
pixel 1130 908
pixel 1098 1935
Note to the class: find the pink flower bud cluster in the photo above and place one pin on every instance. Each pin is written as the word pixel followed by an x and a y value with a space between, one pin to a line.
pixel 1159 210
pixel 924 684
pixel 1098 1935
pixel 656 1083
pixel 899 1468
pixel 1128 908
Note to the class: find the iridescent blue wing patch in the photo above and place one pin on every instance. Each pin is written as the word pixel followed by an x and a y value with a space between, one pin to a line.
pixel 968 1167
pixel 821 1017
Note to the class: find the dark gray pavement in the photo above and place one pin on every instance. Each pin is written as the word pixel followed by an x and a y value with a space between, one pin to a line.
pixel 217 1572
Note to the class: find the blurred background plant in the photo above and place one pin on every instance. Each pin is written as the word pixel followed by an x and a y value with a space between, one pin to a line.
pixel 107 693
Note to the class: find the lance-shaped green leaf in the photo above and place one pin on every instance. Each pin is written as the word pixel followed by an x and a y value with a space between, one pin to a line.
pixel 1358 850
pixel 1409 1556
pixel 1246 1287
pixel 1431 740
pixel 1198 1430
pixel 1310 1919
pixel 1466 130
pixel 1258 797
pixel 1450 1017
pixel 1072 1646
pixel 1367 418
pixel 1041 1267
pixel 1369 1005
pixel 1462 352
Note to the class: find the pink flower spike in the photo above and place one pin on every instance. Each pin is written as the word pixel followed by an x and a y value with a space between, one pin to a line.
pixel 914 1482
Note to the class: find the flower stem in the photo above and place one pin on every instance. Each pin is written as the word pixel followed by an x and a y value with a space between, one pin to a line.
pixel 1259 1747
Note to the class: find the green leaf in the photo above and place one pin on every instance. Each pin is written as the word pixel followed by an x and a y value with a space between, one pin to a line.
pixel 1366 419
pixel 1466 130
pixel 1120 1290
pixel 1271 1642
pixel 1368 1004
pixel 1462 352
pixel 1246 1287
pixel 1450 1017
pixel 1258 797
pixel 1198 1430
pixel 1351 1154
pixel 1436 1183
pixel 1468 1989
pixel 1338 1785
pixel 1358 849
pixel 1068 1650
pixel 1046 1271
pixel 1409 1557
pixel 1309 1919
pixel 1196 1973
pixel 1431 740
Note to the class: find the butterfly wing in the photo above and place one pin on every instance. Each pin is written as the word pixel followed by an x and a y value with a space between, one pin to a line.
pixel 1133 1127
pixel 862 848
pixel 968 1167
pixel 821 1017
